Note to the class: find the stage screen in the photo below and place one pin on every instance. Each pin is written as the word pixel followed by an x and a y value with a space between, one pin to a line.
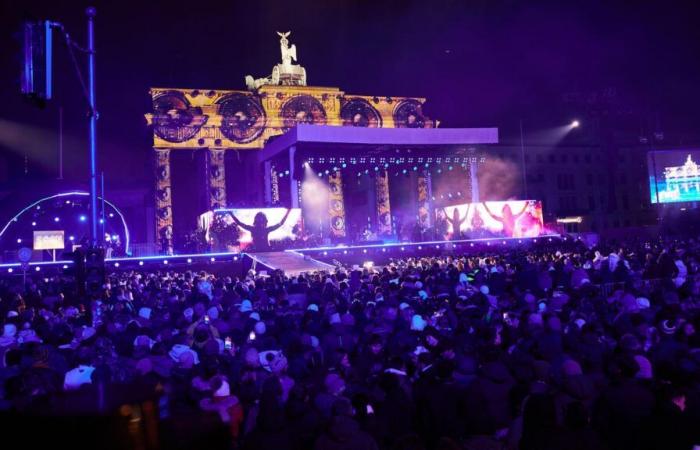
pixel 515 218
pixel 48 240
pixel 674 176
pixel 221 222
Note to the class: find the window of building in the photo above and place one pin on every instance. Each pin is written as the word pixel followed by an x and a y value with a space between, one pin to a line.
pixel 575 157
pixel 527 158
pixel 627 222
pixel 551 159
pixel 589 179
pixel 625 202
pixel 591 203
pixel 623 178
pixel 564 158
pixel 539 159
pixel 588 158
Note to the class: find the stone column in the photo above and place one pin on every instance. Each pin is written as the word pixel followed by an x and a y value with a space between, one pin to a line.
pixel 164 202
pixel 336 205
pixel 382 203
pixel 217 178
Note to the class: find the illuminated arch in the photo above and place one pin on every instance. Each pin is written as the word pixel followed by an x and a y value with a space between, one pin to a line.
pixel 16 217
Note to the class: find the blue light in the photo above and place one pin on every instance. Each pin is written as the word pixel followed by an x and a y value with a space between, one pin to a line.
pixel 449 168
pixel 82 218
pixel 415 168
pixel 344 165
pixel 33 224
pixel 404 171
pixel 19 241
pixel 56 219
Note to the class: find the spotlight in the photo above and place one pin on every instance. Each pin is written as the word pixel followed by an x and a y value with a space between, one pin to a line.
pixel 212 259
pixel 116 264
pixel 306 164
pixel 10 270
pixel 420 247
pixel 33 224
pixel 71 238
pixel 189 260
pixel 56 219
pixel 65 266
pixel 368 264
pixel 364 250
pixel 140 263
pixel 111 215
pixel 102 221
pixel 235 258
pixel 575 124
pixel 37 268
pixel 325 253
pixel 165 261
pixel 19 241
pixel 82 218
pixel 402 249
pixel 345 252
pixel 384 250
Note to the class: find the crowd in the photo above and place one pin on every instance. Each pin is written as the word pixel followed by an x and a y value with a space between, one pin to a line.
pixel 559 346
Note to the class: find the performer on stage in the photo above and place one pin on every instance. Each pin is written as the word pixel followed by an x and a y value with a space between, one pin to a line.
pixel 506 218
pixel 456 221
pixel 260 231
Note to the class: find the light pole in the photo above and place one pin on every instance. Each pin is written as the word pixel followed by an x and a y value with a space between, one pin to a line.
pixel 95 240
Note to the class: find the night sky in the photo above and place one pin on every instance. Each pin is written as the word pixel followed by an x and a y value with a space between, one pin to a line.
pixel 479 63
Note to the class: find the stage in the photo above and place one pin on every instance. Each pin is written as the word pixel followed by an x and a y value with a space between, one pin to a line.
pixel 318 258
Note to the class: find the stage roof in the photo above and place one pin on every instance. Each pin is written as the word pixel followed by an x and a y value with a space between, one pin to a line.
pixel 331 138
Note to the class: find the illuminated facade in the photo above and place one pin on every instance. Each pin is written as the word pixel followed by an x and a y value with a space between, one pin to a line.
pixel 221 120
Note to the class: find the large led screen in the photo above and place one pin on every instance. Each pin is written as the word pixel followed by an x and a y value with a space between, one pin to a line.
pixel 516 218
pixel 674 176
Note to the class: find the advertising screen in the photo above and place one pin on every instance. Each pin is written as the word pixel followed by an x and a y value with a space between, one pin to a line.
pixel 515 218
pixel 275 224
pixel 674 176
pixel 48 240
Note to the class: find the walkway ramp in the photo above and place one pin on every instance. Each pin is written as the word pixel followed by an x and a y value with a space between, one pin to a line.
pixel 291 262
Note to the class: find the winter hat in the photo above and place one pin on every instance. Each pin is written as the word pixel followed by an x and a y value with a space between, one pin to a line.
pixel 77 377
pixel 422 294
pixel 255 316
pixel 213 313
pixel 11 314
pixel 273 361
pixel 484 289
pixel 580 323
pixel 312 307
pixel 179 350
pixel 246 306
pixel 571 368
pixel 645 370
pixel 334 383
pixel 463 278
pixel 334 319
pixel 643 303
pixel 143 340
pixel 348 320
pixel 9 330
pixel 418 323
pixel 145 313
pixel 224 390
pixel 260 328
pixel 188 313
pixel 403 306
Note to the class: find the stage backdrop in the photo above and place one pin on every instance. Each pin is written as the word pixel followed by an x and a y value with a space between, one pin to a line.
pixel 515 218
pixel 219 223
pixel 674 176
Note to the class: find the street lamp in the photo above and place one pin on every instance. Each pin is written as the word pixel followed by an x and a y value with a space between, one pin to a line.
pixel 575 124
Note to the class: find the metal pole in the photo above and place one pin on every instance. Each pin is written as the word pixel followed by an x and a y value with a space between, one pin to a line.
pixel 60 142
pixel 95 240
pixel 104 221
pixel 522 157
